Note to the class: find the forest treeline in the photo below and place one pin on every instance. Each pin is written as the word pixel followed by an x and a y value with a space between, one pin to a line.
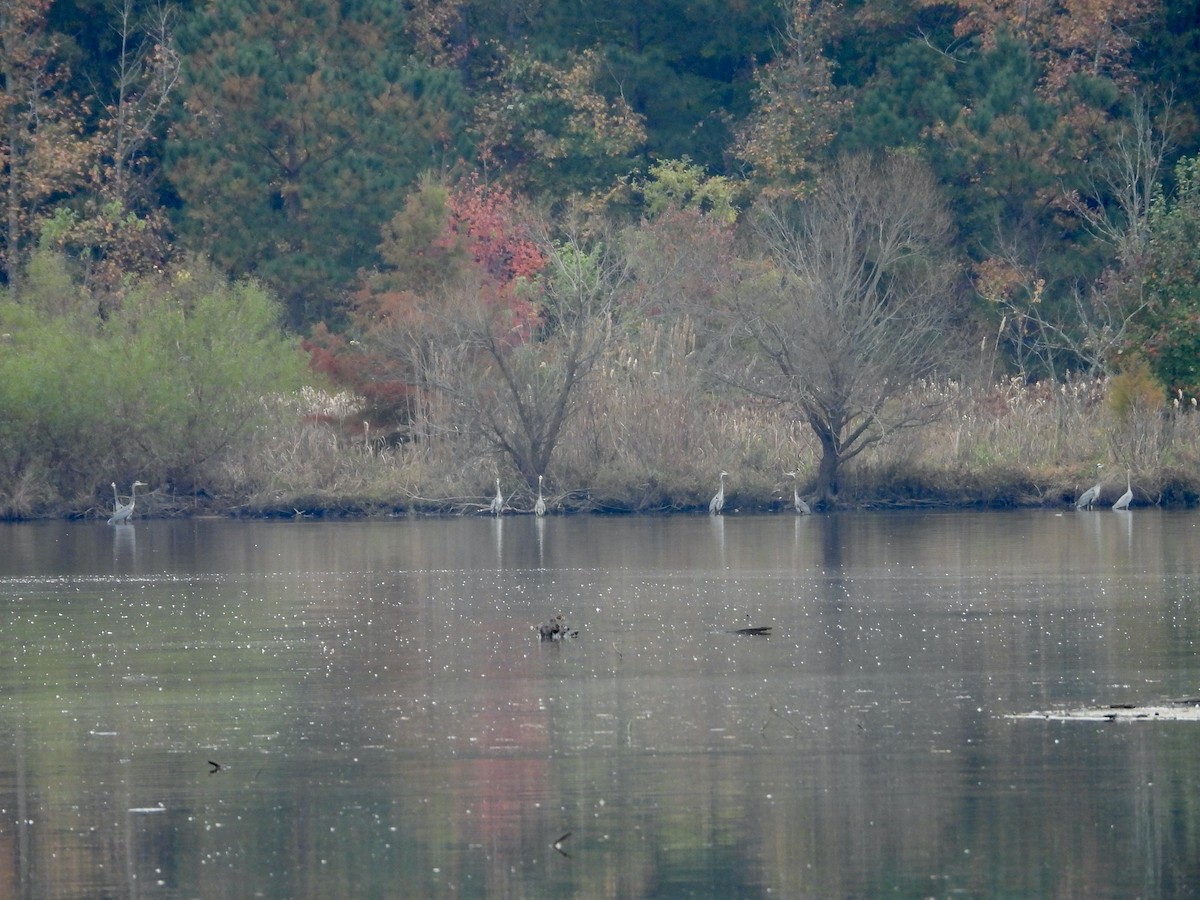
pixel 620 246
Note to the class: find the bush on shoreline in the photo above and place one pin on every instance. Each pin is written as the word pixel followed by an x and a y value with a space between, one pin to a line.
pixel 166 389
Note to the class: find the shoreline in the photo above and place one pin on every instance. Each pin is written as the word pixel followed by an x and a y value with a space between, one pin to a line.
pixel 1171 495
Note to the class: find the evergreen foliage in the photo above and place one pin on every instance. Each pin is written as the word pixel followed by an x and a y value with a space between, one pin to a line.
pixel 304 126
pixel 1170 330
pixel 684 67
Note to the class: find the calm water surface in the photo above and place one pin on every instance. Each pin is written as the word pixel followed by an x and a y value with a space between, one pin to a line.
pixel 388 725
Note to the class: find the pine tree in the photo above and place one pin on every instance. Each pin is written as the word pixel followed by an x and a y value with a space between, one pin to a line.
pixel 1168 332
pixel 304 126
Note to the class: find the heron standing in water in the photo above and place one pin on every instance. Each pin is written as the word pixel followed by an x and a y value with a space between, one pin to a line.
pixel 539 508
pixel 797 501
pixel 1127 497
pixel 497 506
pixel 717 503
pixel 123 512
pixel 1092 495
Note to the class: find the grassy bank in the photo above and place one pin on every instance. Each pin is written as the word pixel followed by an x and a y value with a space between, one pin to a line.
pixel 1008 446
pixel 646 438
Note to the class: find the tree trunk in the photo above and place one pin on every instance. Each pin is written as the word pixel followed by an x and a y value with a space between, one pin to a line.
pixel 827 470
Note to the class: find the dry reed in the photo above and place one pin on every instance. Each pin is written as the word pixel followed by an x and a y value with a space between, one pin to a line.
pixel 647 435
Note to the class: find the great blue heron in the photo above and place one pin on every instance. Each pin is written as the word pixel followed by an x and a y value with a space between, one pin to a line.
pixel 1092 495
pixel 497 506
pixel 717 503
pixel 123 512
pixel 539 508
pixel 797 501
pixel 1127 497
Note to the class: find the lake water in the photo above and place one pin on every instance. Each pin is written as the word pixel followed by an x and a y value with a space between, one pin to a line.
pixel 387 723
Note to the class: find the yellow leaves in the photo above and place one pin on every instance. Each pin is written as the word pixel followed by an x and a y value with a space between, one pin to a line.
pixel 42 146
pixel 431 25
pixel 1096 33
pixel 998 280
pixel 1135 389
pixel 680 184
pixel 243 90
pixel 987 17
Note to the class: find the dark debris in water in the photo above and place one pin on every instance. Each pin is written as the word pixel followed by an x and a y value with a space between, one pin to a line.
pixel 556 629
pixel 757 630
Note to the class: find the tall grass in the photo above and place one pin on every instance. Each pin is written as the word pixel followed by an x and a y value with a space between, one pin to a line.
pixel 1018 444
pixel 648 435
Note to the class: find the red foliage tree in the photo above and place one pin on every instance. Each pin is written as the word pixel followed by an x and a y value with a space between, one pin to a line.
pixel 489 221
pixel 449 248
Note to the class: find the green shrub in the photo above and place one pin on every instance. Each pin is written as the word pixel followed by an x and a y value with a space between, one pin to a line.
pixel 173 379
pixel 197 369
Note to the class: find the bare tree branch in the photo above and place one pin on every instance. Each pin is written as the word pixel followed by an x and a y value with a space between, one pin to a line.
pixel 851 307
pixel 518 390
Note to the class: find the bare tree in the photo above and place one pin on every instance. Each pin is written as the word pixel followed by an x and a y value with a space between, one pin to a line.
pixel 852 309
pixel 518 383
pixel 147 71
pixel 1127 175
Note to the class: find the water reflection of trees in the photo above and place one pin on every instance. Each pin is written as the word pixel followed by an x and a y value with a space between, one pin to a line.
pixel 424 736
